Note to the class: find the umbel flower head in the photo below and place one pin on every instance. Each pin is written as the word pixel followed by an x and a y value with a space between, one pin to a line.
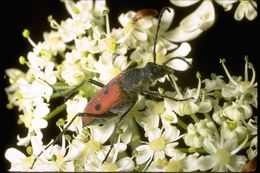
pixel 209 128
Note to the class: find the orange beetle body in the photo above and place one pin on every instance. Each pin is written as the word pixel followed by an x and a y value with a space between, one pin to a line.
pixel 121 93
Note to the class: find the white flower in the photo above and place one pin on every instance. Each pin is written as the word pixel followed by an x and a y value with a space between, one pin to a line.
pixel 72 28
pixel 238 112
pixel 198 132
pixel 87 10
pixel 168 116
pixel 134 33
pixel 194 24
pixel 215 84
pixel 252 127
pixel 59 163
pixel 74 68
pixel 120 165
pixel 84 148
pixel 241 89
pixel 151 114
pixel 189 103
pixel 161 143
pixel 109 67
pixel 82 47
pixel 53 42
pixel 41 67
pixel 75 106
pixel 179 163
pixel 181 63
pixel 181 3
pixel 19 162
pixel 246 9
pixel 226 4
pixel 185 107
pixel 234 129
pixel 222 154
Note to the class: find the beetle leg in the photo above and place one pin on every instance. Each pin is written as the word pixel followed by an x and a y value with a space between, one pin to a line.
pixel 92 81
pixel 115 129
pixel 97 116
pixel 70 93
pixel 157 95
pixel 152 94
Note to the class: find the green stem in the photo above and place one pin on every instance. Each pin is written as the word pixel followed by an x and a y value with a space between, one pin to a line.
pixel 55 95
pixel 56 111
pixel 208 117
pixel 182 124
pixel 135 132
pixel 195 118
pixel 188 150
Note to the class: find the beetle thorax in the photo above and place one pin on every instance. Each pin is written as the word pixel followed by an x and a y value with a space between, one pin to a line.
pixel 138 79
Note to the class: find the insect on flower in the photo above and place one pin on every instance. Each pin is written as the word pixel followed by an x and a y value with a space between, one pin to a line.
pixel 119 95
pixel 250 166
pixel 144 13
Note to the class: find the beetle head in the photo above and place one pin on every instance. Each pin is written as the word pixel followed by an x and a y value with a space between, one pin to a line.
pixel 155 71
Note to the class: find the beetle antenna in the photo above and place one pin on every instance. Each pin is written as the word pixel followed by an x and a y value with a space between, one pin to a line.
pixel 157 30
pixel 55 140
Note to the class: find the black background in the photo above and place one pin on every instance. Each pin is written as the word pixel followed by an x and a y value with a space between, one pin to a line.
pixel 226 39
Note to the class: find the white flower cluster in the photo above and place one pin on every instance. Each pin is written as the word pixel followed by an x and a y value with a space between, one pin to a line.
pixel 212 127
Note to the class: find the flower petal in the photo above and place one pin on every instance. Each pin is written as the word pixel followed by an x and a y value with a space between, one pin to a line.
pixel 125 164
pixel 102 133
pixel 167 19
pixel 14 155
pixel 183 3
pixel 171 134
pixel 178 34
pixel 144 153
pixel 206 163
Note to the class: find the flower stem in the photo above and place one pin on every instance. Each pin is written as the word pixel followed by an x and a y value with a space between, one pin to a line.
pixel 191 150
pixel 208 116
pixel 182 124
pixel 195 118
pixel 56 111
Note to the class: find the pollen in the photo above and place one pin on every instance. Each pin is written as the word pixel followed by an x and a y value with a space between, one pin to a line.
pixel 111 44
pixel 157 144
pixel 114 71
pixel 129 27
pixel 168 118
pixel 222 156
pixel 93 146
pixel 174 166
pixel 59 159
pixel 111 167
pixel 160 58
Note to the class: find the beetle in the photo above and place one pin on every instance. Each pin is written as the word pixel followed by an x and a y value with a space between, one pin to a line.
pixel 250 165
pixel 119 95
pixel 144 13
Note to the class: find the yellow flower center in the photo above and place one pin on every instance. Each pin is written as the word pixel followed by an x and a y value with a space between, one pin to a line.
pixel 244 85
pixel 110 167
pixel 59 160
pixel 174 166
pixel 157 144
pixel 160 163
pixel 129 27
pixel 168 118
pixel 114 71
pixel 157 107
pixel 28 161
pixel 160 58
pixel 223 156
pixel 111 44
pixel 93 146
